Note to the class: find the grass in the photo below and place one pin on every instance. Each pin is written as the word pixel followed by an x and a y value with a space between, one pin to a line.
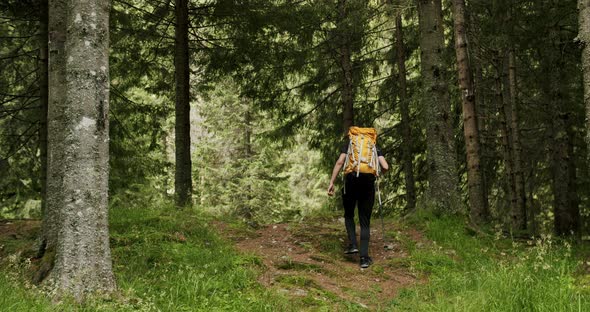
pixel 171 260
pixel 164 260
pixel 466 273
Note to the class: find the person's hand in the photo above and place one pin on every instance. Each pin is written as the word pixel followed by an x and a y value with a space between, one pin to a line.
pixel 331 189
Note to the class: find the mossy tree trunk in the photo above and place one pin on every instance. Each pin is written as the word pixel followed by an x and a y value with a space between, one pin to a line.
pixel 56 119
pixel 405 128
pixel 79 146
pixel 441 154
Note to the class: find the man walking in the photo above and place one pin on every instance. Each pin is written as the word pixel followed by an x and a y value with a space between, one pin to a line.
pixel 362 162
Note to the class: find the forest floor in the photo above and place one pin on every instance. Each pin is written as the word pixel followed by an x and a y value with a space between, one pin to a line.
pixel 303 259
pixel 166 259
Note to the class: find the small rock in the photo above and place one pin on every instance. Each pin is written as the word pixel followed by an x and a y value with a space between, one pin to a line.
pixel 300 292
pixel 274 227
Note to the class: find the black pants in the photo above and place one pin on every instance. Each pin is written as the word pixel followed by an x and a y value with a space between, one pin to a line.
pixel 359 190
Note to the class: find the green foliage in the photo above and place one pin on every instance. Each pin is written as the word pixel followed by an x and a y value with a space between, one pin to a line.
pixel 241 171
pixel 138 131
pixel 19 106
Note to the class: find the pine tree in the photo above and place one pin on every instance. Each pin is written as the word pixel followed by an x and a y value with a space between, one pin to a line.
pixel 78 136
pixel 183 173
pixel 477 201
pixel 441 158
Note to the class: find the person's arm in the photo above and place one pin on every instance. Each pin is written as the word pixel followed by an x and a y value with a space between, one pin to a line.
pixel 383 163
pixel 335 171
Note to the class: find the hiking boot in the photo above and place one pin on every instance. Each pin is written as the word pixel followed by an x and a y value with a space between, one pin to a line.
pixel 351 250
pixel 366 262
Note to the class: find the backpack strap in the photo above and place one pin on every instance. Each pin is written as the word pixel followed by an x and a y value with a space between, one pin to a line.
pixel 346 161
pixel 360 156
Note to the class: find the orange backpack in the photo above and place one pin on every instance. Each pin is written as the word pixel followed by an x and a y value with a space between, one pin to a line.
pixel 361 156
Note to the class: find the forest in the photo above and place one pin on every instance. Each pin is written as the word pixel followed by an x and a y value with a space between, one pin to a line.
pixel 175 155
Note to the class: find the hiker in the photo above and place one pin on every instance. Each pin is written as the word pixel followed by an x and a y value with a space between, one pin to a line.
pixel 359 185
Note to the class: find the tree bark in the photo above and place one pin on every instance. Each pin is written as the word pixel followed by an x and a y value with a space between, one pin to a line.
pixel 566 211
pixel 584 37
pixel 43 103
pixel 566 219
pixel 505 135
pixel 347 92
pixel 518 212
pixel 441 153
pixel 79 117
pixel 477 201
pixel 405 129
pixel 183 173
pixel 56 119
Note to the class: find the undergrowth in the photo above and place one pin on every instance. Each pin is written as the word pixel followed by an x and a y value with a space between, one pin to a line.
pixel 468 273
pixel 166 259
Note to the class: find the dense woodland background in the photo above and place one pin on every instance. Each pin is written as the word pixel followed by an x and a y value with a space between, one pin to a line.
pixel 238 108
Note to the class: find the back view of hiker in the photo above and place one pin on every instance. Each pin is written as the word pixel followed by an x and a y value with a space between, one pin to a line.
pixel 362 162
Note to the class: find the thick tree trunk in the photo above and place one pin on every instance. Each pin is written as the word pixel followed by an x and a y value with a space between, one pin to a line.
pixel 347 87
pixel 518 211
pixel 477 201
pixel 584 37
pixel 405 129
pixel 78 145
pixel 183 173
pixel 441 157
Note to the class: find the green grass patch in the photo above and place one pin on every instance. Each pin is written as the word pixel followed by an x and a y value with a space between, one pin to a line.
pixel 164 259
pixel 467 273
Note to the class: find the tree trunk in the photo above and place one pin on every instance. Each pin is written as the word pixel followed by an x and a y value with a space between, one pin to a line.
pixel 441 153
pixel 518 212
pixel 506 137
pixel 565 221
pixel 347 87
pixel 183 173
pixel 246 210
pixel 405 129
pixel 56 119
pixel 79 117
pixel 584 37
pixel 43 101
pixel 574 208
pixel 566 212
pixel 477 201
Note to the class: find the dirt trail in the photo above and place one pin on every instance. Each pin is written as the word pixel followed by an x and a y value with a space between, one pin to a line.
pixel 306 259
